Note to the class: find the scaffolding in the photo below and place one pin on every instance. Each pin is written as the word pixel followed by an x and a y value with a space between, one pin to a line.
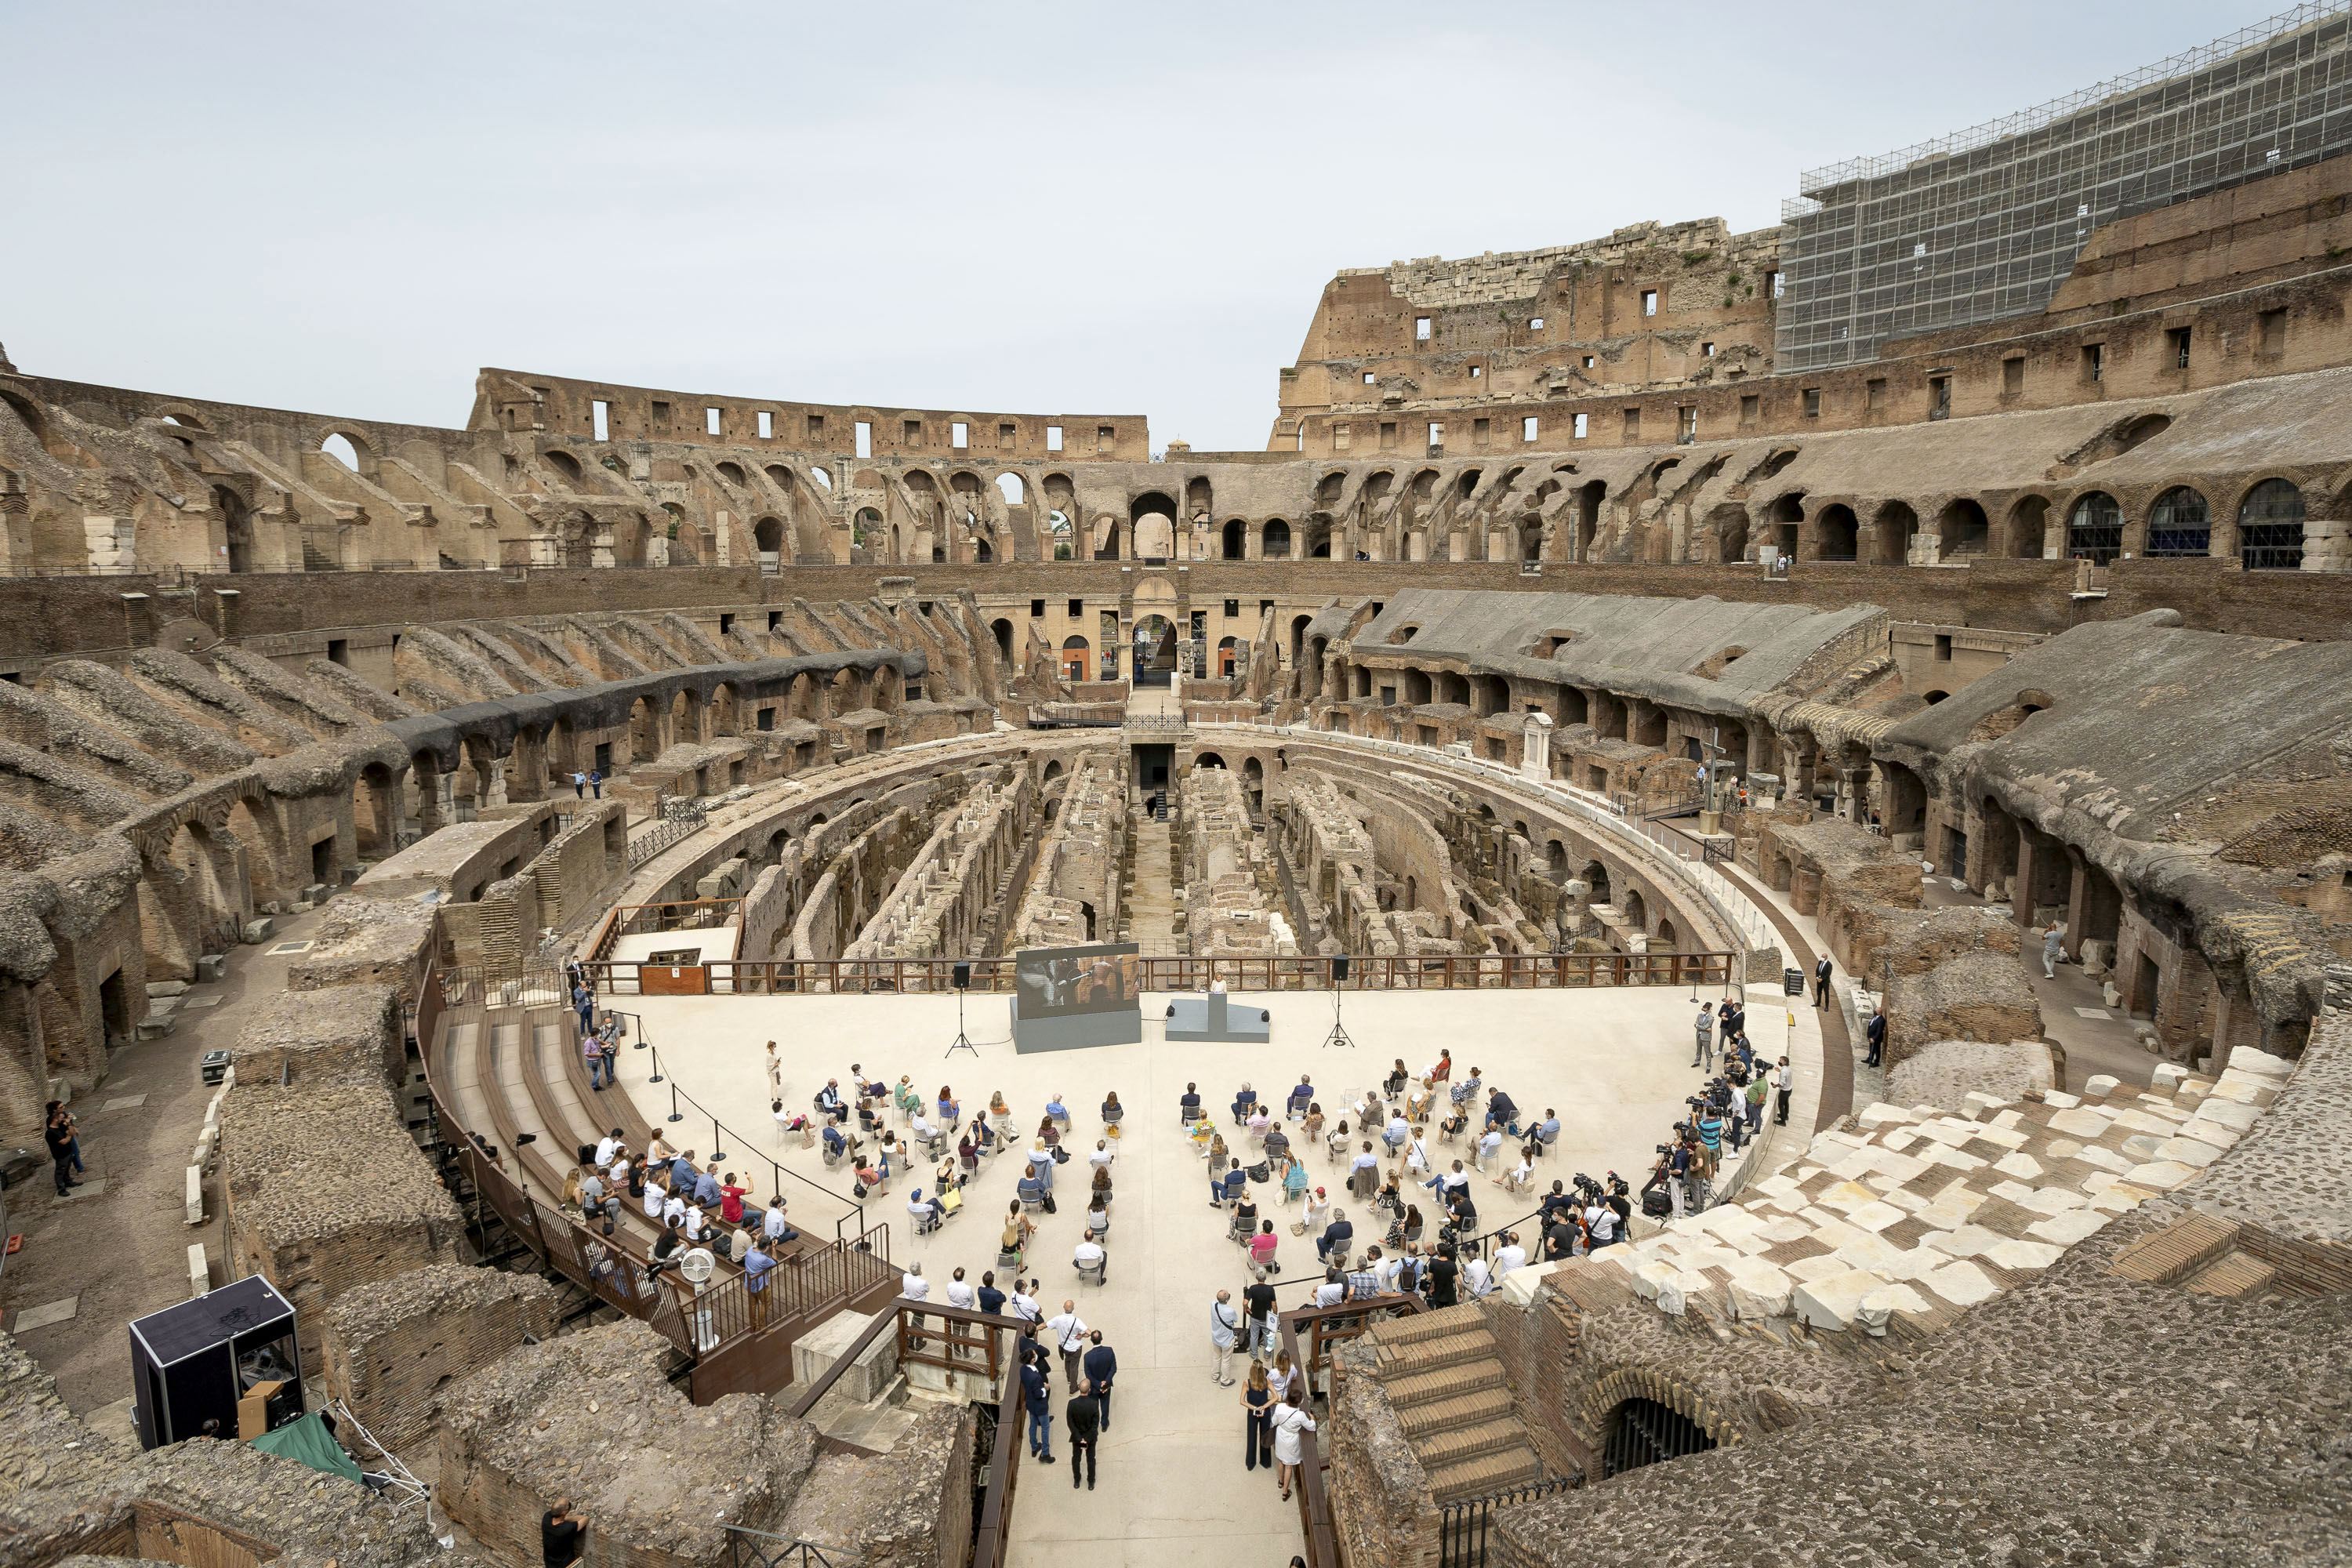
pixel 1984 224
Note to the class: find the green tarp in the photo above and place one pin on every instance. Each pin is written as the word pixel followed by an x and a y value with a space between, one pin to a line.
pixel 308 1441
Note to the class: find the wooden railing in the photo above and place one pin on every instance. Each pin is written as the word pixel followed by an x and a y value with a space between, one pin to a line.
pixel 735 1340
pixel 1453 972
pixel 1325 1327
pixel 991 1338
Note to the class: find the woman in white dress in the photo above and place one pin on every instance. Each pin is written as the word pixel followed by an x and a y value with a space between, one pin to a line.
pixel 1290 1418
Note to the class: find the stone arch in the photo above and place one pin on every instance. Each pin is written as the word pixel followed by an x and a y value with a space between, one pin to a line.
pixel 1962 528
pixel 1209 760
pixel 2023 531
pixel 1276 539
pixel 237 528
pixel 2270 527
pixel 1003 628
pixel 723 709
pixel 644 730
pixel 350 448
pixel 376 811
pixel 1637 910
pixel 1835 533
pixel 2095 528
pixel 1895 524
pixel 1232 542
pixel 1075 658
pixel 1595 878
pixel 768 538
pixel 2179 523
pixel 1728 526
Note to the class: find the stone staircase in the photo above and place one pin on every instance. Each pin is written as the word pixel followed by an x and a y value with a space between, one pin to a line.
pixel 1442 1375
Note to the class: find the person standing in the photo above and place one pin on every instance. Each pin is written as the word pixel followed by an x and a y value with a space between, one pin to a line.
pixel 1225 1327
pixel 991 1298
pixel 1034 1394
pixel 1257 1409
pixel 756 1264
pixel 775 1072
pixel 560 1531
pixel 1875 1031
pixel 1102 1366
pixel 1258 1303
pixel 1290 1420
pixel 59 1135
pixel 1757 1090
pixel 580 787
pixel 1704 1056
pixel 596 782
pixel 1822 982
pixel 1442 1274
pixel 1070 1338
pixel 1085 1416
pixel 1784 1083
pixel 608 1055
pixel 2053 948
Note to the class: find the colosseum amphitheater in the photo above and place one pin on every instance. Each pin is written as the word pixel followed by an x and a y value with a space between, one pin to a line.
pixel 1939 592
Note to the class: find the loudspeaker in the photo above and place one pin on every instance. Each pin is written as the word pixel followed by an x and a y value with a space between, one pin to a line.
pixel 1339 968
pixel 962 977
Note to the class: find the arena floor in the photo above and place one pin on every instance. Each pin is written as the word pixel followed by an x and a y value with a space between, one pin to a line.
pixel 1614 1063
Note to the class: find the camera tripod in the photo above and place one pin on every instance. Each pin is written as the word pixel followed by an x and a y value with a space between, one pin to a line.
pixel 963 1041
pixel 1339 1034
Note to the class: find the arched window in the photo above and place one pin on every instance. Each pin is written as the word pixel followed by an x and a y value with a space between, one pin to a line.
pixel 1277 539
pixel 1644 1432
pixel 2269 528
pixel 1231 542
pixel 2179 524
pixel 339 448
pixel 1009 486
pixel 2094 531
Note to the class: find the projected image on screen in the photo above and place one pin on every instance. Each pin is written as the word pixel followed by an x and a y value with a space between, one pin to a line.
pixel 1053 982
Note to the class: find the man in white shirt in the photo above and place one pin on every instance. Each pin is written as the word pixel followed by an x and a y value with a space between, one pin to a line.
pixel 1070 1338
pixel 922 1129
pixel 1023 1305
pixel 1489 1146
pixel 961 1294
pixel 673 1209
pixel 1332 1291
pixel 775 1226
pixel 1225 1329
pixel 1479 1278
pixel 1087 1254
pixel 1784 1084
pixel 1508 1255
pixel 606 1147
pixel 913 1286
pixel 1104 1153
pixel 655 1204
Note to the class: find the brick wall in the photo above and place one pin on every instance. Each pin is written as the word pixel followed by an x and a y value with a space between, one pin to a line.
pixel 391 1345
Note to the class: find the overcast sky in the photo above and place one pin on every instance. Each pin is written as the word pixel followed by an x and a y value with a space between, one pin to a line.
pixel 1111 209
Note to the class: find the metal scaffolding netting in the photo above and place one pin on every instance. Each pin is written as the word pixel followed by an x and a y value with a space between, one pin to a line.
pixel 1985 223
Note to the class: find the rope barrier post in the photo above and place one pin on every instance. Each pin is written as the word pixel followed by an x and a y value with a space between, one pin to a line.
pixel 658 1073
pixel 675 1115
pixel 716 1152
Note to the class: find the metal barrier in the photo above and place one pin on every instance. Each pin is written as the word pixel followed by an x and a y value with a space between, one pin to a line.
pixel 1462 1525
pixel 1451 971
pixel 758 1549
pixel 720 1327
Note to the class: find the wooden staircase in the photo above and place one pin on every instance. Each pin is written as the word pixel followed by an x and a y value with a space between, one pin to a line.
pixel 1442 1375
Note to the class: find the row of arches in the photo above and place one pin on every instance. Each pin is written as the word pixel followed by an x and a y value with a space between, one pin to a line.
pixel 2268 533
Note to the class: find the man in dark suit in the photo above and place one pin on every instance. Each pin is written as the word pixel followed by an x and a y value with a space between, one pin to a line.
pixel 1085 1416
pixel 1875 1030
pixel 1822 982
pixel 1101 1363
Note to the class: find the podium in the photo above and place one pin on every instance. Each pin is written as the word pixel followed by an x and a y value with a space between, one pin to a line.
pixel 1211 1019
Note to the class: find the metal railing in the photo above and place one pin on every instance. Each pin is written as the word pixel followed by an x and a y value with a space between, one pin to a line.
pixel 749 1547
pixel 804 1287
pixel 1463 1524
pixel 669 830
pixel 1445 972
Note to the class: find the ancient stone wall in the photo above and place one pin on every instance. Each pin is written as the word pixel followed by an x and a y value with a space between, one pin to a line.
pixel 393 1345
pixel 591 1417
pixel 1079 865
pixel 1231 906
